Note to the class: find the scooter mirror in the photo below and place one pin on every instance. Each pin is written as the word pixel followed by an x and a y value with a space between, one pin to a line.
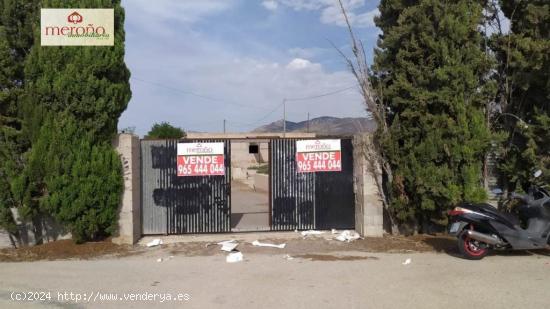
pixel 497 191
pixel 537 173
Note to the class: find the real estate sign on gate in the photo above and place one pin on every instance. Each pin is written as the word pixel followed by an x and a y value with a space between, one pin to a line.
pixel 321 155
pixel 200 159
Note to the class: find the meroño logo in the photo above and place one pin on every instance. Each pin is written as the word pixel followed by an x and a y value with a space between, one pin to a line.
pixel 77 27
pixel 318 146
pixel 199 149
pixel 81 31
pixel 75 18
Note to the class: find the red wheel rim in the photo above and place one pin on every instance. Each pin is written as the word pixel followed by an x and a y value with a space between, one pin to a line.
pixel 471 248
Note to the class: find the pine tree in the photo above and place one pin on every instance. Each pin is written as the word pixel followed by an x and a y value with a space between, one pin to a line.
pixel 524 56
pixel 431 72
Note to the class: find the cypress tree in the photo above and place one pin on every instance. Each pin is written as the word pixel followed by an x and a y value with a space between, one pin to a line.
pixel 81 179
pixel 16 39
pixel 432 73
pixel 91 82
pixel 525 58
pixel 72 99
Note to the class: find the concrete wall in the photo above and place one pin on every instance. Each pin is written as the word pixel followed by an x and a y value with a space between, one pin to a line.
pixel 261 182
pixel 4 240
pixel 42 230
pixel 240 156
pixel 129 221
pixel 242 160
pixel 369 210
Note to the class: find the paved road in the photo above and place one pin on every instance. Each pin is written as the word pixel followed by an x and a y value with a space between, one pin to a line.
pixel 378 280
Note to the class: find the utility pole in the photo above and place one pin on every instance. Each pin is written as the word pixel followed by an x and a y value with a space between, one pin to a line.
pixel 307 122
pixel 224 126
pixel 284 117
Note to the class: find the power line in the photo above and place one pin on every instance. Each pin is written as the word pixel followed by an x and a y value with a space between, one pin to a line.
pixel 320 95
pixel 301 99
pixel 196 94
pixel 239 104
pixel 264 117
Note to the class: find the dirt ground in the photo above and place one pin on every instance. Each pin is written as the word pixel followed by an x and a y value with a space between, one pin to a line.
pixel 313 248
pixel 298 246
pixel 67 249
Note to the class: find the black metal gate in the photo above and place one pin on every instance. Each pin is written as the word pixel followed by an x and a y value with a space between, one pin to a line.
pixel 322 200
pixel 178 205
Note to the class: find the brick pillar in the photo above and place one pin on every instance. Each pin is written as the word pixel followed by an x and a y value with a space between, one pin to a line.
pixel 129 213
pixel 368 206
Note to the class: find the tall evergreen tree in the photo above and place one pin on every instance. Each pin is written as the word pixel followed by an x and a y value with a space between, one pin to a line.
pixel 431 72
pixel 525 58
pixel 16 39
pixel 68 85
pixel 80 178
pixel 91 82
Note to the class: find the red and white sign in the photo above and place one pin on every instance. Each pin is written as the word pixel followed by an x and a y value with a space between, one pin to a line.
pixel 322 155
pixel 200 159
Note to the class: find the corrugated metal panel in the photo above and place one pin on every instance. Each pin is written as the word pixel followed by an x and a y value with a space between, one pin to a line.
pixel 153 215
pixel 198 204
pixel 301 201
pixel 292 193
pixel 335 207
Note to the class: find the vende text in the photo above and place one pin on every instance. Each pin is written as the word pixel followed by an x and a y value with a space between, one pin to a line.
pixel 201 165
pixel 319 161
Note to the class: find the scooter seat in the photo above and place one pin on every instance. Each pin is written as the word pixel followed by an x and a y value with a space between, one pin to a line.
pixel 503 215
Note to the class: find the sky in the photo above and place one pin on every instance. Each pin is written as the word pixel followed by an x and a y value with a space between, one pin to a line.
pixel 195 63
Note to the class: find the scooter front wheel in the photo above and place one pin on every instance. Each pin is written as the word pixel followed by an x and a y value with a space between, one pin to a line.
pixel 470 248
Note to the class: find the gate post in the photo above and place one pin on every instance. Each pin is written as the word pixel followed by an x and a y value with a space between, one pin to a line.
pixel 369 209
pixel 129 210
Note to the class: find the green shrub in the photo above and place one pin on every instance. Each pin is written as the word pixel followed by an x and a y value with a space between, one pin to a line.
pixel 260 169
pixel 82 181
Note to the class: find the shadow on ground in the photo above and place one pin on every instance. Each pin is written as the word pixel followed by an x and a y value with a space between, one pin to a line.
pixel 448 245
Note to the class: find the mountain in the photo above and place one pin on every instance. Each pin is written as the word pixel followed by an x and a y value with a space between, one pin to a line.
pixel 323 125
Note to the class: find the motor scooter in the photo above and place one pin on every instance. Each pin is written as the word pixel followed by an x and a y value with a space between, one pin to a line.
pixel 480 228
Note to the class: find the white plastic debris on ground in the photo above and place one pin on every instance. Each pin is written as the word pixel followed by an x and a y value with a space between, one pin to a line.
pixel 165 259
pixel 228 245
pixel 234 257
pixel 288 257
pixel 407 261
pixel 312 232
pixel 261 244
pixel 348 236
pixel 154 242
